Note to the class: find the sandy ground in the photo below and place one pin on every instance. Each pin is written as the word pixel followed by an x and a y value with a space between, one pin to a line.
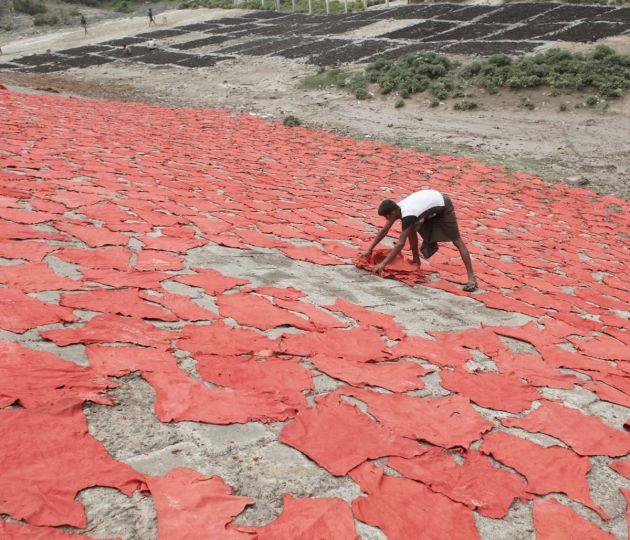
pixel 580 145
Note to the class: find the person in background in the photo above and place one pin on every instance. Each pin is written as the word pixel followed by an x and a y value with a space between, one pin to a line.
pixel 84 24
pixel 151 19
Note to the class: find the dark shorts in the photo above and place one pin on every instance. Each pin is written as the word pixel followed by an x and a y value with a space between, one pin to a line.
pixel 441 228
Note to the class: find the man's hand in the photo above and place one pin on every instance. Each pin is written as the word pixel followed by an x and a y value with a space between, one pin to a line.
pixel 378 269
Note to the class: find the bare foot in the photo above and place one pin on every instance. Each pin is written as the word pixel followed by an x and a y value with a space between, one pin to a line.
pixel 470 286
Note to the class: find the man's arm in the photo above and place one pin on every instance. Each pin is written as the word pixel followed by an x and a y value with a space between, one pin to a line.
pixel 395 251
pixel 381 234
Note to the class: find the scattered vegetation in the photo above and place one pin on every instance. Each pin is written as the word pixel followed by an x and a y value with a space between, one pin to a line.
pixel 411 74
pixel 45 19
pixel 400 103
pixel 527 103
pixel 591 101
pixel 292 121
pixel 30 7
pixel 563 106
pixel 465 105
pixel 603 70
pixel 358 86
pixel 325 78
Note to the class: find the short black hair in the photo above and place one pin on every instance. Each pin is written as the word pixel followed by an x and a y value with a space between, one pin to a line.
pixel 387 207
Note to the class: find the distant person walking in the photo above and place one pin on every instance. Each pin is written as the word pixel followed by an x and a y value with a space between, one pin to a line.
pixel 151 19
pixel 84 24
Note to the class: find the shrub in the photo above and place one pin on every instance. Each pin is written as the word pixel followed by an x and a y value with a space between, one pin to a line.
pixel 527 103
pixel 29 7
pixel 358 86
pixel 44 19
pixel 440 89
pixel 361 94
pixel 123 7
pixel 400 103
pixel 602 69
pixel 500 60
pixel 465 105
pixel 563 106
pixel 435 102
pixel 411 73
pixel 591 101
pixel 291 121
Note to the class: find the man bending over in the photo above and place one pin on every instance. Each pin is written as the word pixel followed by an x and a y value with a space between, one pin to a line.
pixel 429 213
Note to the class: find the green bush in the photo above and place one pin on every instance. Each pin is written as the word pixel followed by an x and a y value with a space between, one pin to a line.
pixel 400 103
pixel 123 7
pixel 30 7
pixel 527 103
pixel 465 105
pixel 435 102
pixel 44 19
pixel 358 86
pixel 411 73
pixel 602 69
pixel 563 106
pixel 591 101
pixel 291 121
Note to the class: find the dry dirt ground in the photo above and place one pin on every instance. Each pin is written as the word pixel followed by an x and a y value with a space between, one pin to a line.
pixel 581 144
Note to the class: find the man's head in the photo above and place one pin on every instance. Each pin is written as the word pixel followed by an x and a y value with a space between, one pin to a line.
pixel 388 208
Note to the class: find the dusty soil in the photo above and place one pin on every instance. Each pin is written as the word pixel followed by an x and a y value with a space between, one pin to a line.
pixel 580 145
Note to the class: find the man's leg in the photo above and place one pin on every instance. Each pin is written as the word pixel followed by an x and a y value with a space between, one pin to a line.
pixel 413 243
pixel 465 254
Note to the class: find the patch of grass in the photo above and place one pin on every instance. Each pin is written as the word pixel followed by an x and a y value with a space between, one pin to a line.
pixel 465 105
pixel 325 78
pixel 527 103
pixel 434 102
pixel 30 7
pixel 563 106
pixel 291 121
pixel 400 103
